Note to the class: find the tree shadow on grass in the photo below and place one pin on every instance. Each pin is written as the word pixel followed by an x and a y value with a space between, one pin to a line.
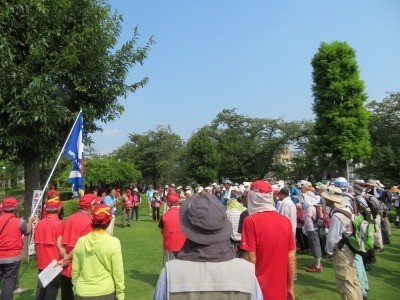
pixel 144 277
pixel 312 282
pixel 390 276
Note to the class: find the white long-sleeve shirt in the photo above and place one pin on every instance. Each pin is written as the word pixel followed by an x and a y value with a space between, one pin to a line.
pixel 288 209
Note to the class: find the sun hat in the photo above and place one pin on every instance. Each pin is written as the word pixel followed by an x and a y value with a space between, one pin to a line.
pixel 9 204
pixel 199 190
pixel 101 214
pixel 372 182
pixel 235 188
pixel 86 201
pixel 341 183
pixel 358 189
pixel 208 188
pixel 261 186
pixel 135 190
pixel 179 187
pixel 333 193
pixel 188 187
pixel 380 184
pixel 227 182
pixel 284 191
pixel 394 189
pixel 203 220
pixel 321 187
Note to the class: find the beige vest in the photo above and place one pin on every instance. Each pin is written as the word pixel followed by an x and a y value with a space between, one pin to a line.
pixel 234 279
pixel 346 222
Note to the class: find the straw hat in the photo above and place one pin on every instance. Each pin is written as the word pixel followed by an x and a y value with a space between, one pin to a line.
pixel 333 193
pixel 372 182
pixel 394 189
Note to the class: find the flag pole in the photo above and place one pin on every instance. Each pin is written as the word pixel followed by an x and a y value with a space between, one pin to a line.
pixel 52 171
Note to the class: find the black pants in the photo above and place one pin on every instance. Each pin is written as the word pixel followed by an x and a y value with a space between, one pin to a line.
pixel 302 239
pixel 66 288
pixel 156 213
pixel 50 292
pixel 135 212
pixel 9 277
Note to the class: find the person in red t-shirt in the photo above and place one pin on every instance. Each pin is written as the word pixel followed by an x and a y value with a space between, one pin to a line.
pixel 11 244
pixel 127 210
pixel 267 238
pixel 136 203
pixel 173 238
pixel 77 225
pixel 47 239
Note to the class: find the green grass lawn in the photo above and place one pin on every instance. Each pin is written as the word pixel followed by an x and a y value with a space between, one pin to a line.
pixel 142 254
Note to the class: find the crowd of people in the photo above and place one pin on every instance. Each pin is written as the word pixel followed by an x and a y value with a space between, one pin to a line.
pixel 228 241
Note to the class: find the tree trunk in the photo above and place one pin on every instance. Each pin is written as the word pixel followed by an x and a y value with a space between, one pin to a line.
pixel 31 169
pixel 342 166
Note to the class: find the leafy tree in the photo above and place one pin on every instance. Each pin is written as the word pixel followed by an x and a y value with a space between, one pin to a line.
pixel 58 57
pixel 201 158
pixel 341 125
pixel 384 129
pixel 156 153
pixel 248 146
pixel 106 171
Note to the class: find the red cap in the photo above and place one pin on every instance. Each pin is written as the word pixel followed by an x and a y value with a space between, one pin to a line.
pixel 173 198
pixel 9 204
pixel 261 186
pixel 98 200
pixel 101 214
pixel 53 203
pixel 86 201
pixel 52 193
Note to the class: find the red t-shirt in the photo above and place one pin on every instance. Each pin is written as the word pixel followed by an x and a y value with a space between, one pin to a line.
pixel 47 231
pixel 77 225
pixel 173 237
pixel 128 201
pixel 270 235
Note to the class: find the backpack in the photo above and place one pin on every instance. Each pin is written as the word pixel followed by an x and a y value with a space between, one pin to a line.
pixel 299 213
pixel 321 217
pixel 384 208
pixel 362 238
pixel 366 212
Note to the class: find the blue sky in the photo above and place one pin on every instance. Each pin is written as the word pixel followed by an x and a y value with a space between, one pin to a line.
pixel 250 55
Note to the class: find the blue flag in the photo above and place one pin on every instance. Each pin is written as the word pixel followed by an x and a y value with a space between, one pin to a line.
pixel 74 151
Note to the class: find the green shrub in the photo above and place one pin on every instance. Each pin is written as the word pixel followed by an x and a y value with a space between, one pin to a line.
pixel 66 195
pixel 392 216
pixel 70 207
pixel 14 192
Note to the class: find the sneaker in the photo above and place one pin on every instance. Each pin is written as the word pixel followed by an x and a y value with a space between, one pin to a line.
pixel 312 266
pixel 20 290
pixel 314 269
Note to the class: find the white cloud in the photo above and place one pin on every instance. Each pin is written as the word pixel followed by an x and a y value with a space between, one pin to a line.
pixel 111 132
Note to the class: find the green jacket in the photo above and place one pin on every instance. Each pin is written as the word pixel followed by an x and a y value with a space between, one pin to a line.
pixel 97 267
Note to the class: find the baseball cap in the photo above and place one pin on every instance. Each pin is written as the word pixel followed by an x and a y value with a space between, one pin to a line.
pixel 101 214
pixel 261 186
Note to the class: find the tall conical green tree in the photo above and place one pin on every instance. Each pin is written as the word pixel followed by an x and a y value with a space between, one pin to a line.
pixel 341 125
